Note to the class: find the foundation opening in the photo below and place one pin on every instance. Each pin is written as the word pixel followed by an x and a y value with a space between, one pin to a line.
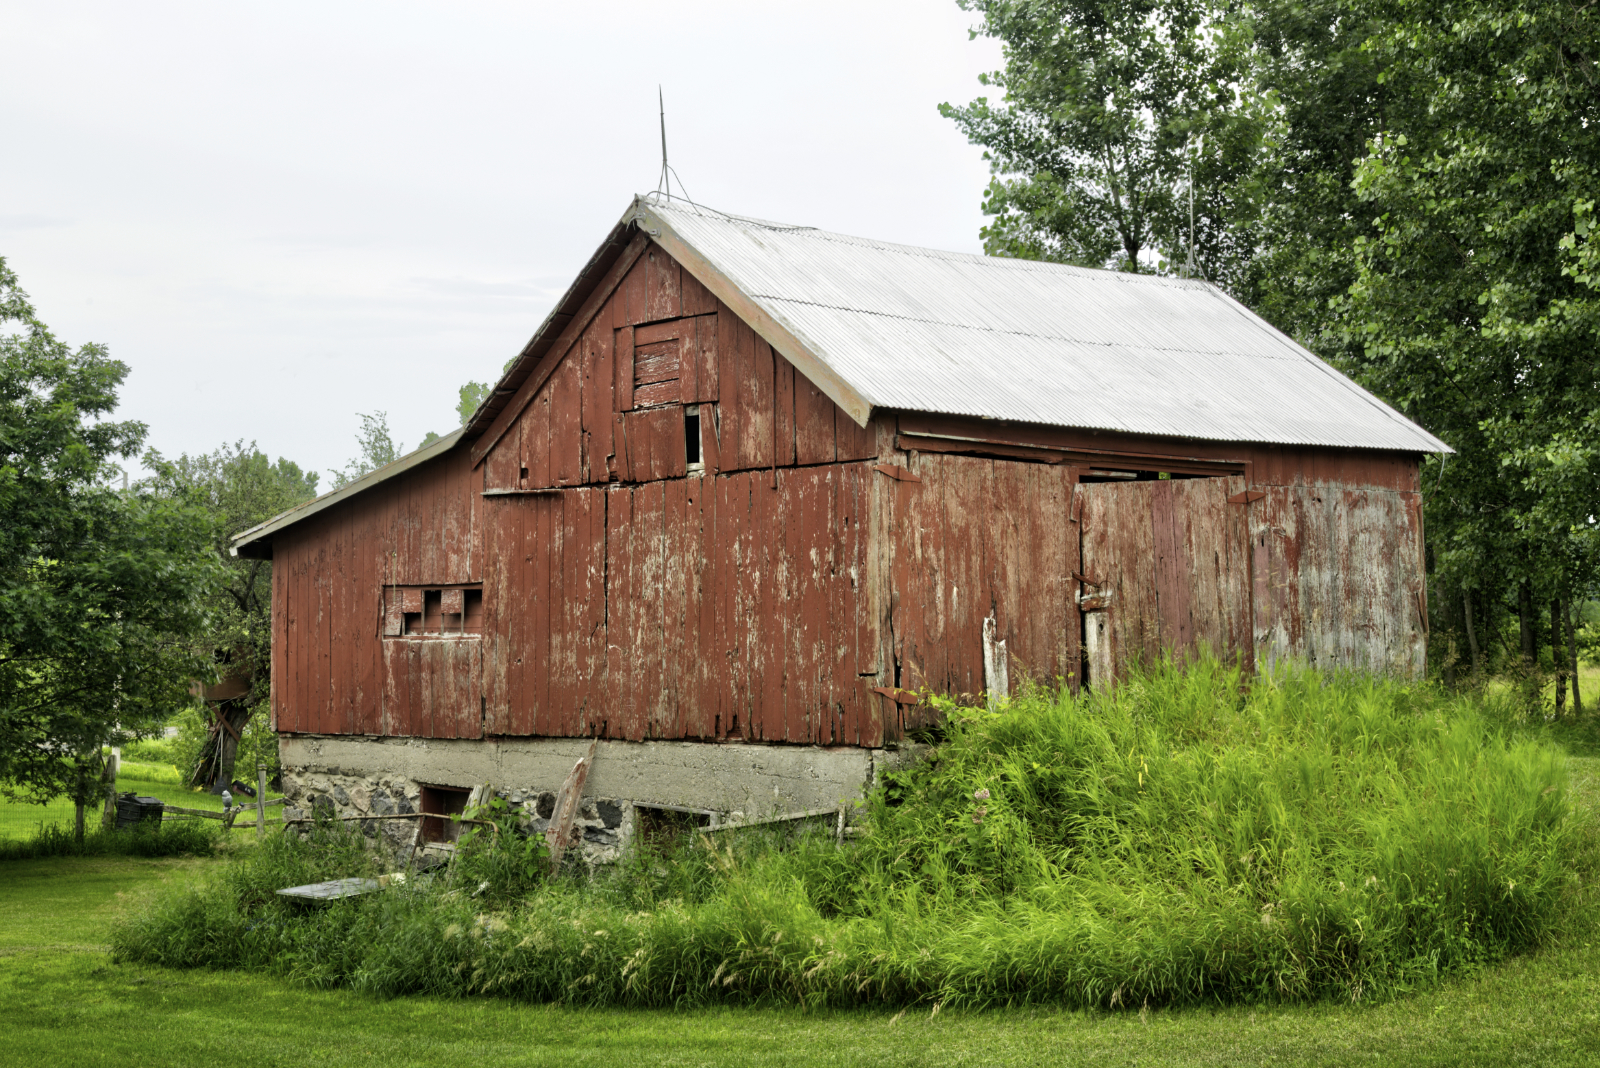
pixel 442 802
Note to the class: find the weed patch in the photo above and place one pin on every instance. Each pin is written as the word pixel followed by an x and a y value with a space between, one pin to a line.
pixel 166 840
pixel 1196 836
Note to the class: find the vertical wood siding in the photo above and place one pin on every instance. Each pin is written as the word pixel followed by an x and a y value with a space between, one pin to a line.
pixel 976 536
pixel 1173 556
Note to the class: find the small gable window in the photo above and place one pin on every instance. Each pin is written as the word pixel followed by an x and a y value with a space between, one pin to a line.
pixel 433 612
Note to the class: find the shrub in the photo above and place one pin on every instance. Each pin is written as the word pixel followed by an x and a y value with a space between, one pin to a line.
pixel 1193 836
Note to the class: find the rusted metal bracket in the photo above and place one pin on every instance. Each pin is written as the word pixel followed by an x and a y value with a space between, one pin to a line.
pixel 1246 496
pixel 1094 602
pixel 1087 580
pixel 896 472
pixel 897 695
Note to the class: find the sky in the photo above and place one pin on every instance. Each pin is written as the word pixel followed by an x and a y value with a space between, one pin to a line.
pixel 282 215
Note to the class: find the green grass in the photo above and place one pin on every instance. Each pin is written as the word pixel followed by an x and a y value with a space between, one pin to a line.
pixel 21 821
pixel 66 1003
pixel 1189 839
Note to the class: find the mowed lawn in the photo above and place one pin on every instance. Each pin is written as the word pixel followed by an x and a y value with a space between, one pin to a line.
pixel 66 1003
pixel 21 821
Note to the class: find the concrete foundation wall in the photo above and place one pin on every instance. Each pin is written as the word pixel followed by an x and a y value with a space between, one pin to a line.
pixel 735 782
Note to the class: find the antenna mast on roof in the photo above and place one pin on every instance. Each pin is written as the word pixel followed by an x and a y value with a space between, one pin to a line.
pixel 1188 270
pixel 666 175
pixel 664 183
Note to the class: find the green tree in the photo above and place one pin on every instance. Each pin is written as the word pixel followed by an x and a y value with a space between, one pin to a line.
pixel 377 448
pixel 236 487
pixel 1476 302
pixel 102 591
pixel 1113 112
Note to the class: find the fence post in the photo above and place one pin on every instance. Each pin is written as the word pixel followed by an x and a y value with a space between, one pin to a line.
pixel 261 799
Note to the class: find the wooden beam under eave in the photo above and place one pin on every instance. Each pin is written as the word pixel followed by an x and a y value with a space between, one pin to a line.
pixel 560 347
pixel 774 332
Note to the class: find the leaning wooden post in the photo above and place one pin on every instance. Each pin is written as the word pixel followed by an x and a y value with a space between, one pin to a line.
pixel 261 799
pixel 559 834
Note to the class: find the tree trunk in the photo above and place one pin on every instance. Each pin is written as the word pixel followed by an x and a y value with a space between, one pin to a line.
pixel 1472 633
pixel 1529 625
pixel 1574 610
pixel 1558 659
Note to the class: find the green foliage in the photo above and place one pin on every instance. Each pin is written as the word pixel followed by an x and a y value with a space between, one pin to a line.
pixel 101 591
pixel 503 861
pixel 377 449
pixel 472 395
pixel 1111 112
pixel 1475 307
pixel 1195 837
pixel 187 838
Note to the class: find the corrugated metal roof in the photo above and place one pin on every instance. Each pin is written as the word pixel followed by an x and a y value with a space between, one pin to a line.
pixel 959 334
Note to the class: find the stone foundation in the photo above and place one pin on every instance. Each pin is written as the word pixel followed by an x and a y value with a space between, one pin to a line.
pixel 723 783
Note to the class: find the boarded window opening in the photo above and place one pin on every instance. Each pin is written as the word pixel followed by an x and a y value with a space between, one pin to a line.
pixel 438 612
pixel 442 802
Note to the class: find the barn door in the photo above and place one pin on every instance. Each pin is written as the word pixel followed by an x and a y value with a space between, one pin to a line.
pixel 1167 568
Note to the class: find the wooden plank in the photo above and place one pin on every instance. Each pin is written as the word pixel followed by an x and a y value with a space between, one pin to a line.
pixel 566 425
pixel 731 334
pixel 663 293
pixel 813 423
pixel 656 333
pixel 655 362
pixel 703 666
pixel 697 299
pixel 756 400
pixel 688 364
pixel 740 575
pixel 598 383
pixel 622 349
pixel 705 358
pixel 586 604
pixel 633 290
pixel 618 718
pixel 783 411
pixel 679 647
pixel 853 442
pixel 646 614
pixel 656 444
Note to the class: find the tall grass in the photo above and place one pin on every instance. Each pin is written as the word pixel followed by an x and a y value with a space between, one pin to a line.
pixel 1196 835
pixel 148 840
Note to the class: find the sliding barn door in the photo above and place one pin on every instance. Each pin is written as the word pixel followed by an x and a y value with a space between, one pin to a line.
pixel 1167 568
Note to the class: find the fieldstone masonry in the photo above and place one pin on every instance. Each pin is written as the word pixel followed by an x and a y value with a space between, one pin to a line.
pixel 352 776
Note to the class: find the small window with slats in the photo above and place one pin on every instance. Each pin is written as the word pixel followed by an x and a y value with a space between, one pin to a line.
pixel 433 612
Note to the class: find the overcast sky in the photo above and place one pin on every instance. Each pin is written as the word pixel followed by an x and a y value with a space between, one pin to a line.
pixel 280 215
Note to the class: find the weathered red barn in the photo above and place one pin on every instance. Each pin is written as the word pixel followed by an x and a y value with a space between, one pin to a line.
pixel 752 487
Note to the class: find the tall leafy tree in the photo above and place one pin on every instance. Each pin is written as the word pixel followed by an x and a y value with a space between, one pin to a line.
pixel 236 487
pixel 1112 112
pixel 1476 302
pixel 102 590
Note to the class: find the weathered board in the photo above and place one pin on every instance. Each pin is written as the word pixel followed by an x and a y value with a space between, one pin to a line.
pixel 1168 566
pixel 1339 577
pixel 977 536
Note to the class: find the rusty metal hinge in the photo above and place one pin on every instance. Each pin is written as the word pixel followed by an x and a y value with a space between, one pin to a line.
pixel 1246 497
pixel 1088 580
pixel 897 695
pixel 896 472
